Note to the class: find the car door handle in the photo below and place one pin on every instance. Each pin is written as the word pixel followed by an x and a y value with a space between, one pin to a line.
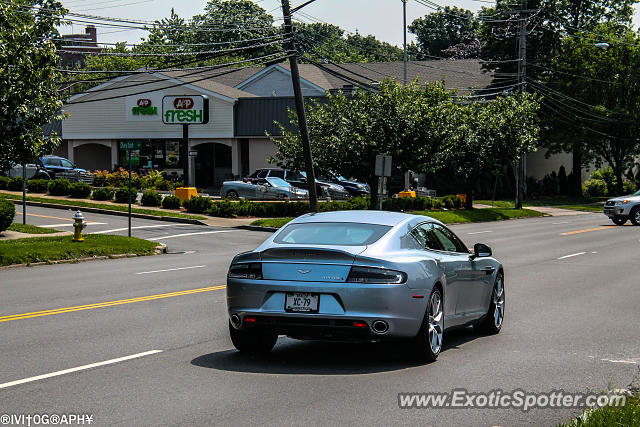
pixel 489 270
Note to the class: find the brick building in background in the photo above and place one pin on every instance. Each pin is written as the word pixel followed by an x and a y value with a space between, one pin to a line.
pixel 76 46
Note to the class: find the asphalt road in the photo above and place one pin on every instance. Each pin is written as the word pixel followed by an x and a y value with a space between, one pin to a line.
pixel 571 323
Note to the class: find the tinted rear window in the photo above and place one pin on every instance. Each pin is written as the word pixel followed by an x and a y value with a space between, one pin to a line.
pixel 332 233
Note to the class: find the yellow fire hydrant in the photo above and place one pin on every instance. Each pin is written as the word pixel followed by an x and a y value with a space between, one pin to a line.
pixel 79 225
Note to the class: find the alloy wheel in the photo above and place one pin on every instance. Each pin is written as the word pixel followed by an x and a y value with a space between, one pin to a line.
pixel 436 323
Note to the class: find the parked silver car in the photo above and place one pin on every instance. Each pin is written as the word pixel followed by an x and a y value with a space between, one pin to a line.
pixel 620 209
pixel 363 275
pixel 268 189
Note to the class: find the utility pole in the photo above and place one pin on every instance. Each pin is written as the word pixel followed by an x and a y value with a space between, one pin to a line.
pixel 522 79
pixel 299 100
pixel 404 32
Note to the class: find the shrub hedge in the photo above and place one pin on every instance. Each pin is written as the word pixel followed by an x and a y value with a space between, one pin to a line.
pixel 122 195
pixel 79 190
pixel 37 185
pixel 151 198
pixel 4 182
pixel 102 194
pixel 15 184
pixel 197 204
pixel 228 209
pixel 58 187
pixel 594 188
pixel 7 212
pixel 171 202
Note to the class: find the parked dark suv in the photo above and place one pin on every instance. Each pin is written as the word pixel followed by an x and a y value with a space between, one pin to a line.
pixel 299 180
pixel 59 167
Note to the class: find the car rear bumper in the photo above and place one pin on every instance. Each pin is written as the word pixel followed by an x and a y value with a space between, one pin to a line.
pixel 340 305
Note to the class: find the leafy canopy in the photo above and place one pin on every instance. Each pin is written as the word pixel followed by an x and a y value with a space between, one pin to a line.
pixel 29 97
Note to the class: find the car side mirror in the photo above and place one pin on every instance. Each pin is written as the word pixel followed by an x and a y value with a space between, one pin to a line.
pixel 481 251
pixel 245 180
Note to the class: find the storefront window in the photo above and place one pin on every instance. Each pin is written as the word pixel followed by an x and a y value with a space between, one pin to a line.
pixel 154 154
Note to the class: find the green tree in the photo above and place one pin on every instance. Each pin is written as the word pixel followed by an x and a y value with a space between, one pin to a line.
pixel 408 123
pixel 602 112
pixel 440 30
pixel 486 136
pixel 29 96
pixel 321 42
pixel 548 26
pixel 374 49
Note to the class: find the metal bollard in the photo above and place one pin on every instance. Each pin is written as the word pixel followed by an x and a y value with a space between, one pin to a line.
pixel 78 225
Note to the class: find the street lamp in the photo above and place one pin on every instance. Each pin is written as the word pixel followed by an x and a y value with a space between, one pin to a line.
pixel 603 46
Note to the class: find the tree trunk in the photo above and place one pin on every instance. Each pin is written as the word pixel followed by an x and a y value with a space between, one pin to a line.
pixel 576 185
pixel 620 183
pixel 469 201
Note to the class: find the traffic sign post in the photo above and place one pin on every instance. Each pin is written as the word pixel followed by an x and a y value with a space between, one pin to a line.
pixel 130 146
pixel 185 110
pixel 383 170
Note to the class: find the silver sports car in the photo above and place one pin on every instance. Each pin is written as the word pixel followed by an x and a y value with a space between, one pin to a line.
pixel 268 189
pixel 363 275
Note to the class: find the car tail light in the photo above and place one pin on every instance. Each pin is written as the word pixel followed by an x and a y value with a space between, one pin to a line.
pixel 376 275
pixel 250 270
pixel 359 324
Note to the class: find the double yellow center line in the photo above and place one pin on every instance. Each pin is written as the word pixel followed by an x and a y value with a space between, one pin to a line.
pixel 108 303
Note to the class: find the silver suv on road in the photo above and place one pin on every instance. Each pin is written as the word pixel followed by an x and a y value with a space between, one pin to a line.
pixel 620 209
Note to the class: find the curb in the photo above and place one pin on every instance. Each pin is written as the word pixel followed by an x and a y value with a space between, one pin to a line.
pixel 111 212
pixel 257 228
pixel 160 249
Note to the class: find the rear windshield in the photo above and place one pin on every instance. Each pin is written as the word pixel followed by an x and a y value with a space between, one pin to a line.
pixel 332 233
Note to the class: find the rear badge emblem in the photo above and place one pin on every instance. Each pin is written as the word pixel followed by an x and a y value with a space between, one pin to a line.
pixel 304 271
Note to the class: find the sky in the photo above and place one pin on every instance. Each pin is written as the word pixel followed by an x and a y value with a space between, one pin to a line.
pixel 382 18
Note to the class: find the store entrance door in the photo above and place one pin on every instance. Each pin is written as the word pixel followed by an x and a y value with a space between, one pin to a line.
pixel 213 165
pixel 205 166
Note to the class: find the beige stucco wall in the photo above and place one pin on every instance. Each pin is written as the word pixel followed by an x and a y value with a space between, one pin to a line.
pixel 260 149
pixel 107 119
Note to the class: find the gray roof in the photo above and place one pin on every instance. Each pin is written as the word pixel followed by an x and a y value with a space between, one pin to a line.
pixel 461 74
pixel 211 80
pixel 54 126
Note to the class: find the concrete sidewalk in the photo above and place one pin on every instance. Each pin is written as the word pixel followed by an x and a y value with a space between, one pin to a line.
pixel 12 235
pixel 547 210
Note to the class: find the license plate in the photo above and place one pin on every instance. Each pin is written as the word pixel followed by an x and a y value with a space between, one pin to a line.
pixel 301 302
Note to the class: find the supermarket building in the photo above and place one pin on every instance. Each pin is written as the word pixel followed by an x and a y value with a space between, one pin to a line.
pixel 244 105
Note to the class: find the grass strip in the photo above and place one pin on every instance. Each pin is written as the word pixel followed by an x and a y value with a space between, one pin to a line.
pixel 447 217
pixel 31 229
pixel 479 215
pixel 45 249
pixel 106 206
pixel 627 415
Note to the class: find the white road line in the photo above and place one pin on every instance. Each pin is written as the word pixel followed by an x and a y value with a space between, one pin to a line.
pixel 79 368
pixel 480 232
pixel 563 222
pixel 634 361
pixel 171 269
pixel 113 230
pixel 572 255
pixel 71 224
pixel 191 234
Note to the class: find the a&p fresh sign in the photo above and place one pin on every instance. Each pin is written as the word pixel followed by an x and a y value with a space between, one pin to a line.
pixel 185 110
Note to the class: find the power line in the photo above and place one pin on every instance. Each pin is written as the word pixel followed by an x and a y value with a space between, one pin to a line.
pixel 164 88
